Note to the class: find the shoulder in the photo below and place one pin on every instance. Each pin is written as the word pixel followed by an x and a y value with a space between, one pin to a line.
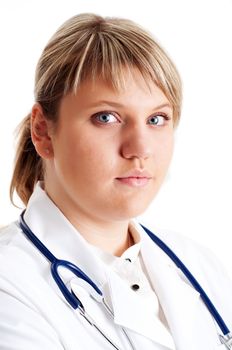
pixel 7 233
pixel 19 263
pixel 9 241
pixel 191 251
pixel 22 293
pixel 199 259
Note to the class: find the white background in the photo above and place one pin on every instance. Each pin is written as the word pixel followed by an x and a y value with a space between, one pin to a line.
pixel 196 199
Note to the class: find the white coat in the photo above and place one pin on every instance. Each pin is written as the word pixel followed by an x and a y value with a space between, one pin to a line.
pixel 34 315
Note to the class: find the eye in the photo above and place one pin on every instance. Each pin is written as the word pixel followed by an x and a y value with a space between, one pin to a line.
pixel 105 117
pixel 158 119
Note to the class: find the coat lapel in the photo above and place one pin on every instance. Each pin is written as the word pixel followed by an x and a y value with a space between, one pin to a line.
pixel 190 322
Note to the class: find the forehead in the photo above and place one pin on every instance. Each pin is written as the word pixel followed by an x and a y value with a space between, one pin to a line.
pixel 135 89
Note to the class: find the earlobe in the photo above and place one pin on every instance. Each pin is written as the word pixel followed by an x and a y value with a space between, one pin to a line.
pixel 40 132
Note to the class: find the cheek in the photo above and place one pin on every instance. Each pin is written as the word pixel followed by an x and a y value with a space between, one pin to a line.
pixel 169 147
pixel 164 151
pixel 162 159
pixel 91 158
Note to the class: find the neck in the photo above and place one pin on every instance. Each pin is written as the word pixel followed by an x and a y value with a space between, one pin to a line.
pixel 111 238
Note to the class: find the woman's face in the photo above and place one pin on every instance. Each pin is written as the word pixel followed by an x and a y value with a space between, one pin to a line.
pixel 110 150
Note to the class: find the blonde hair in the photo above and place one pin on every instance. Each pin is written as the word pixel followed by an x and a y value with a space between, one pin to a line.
pixel 87 46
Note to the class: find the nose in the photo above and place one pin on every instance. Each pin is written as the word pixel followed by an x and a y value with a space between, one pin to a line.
pixel 136 144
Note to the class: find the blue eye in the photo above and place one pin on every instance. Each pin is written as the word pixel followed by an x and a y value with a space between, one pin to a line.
pixel 158 119
pixel 105 117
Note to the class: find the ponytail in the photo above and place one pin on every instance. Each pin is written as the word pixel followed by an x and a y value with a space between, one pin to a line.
pixel 28 168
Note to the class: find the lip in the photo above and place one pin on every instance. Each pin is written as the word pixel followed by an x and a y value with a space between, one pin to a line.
pixel 134 181
pixel 136 173
pixel 135 178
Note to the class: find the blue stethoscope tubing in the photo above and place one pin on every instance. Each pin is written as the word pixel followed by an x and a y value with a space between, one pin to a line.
pixel 55 264
pixel 208 303
pixel 75 302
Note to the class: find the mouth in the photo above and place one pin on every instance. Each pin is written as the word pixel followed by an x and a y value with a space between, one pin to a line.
pixel 135 178
pixel 133 181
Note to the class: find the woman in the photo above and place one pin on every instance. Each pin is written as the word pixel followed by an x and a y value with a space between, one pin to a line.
pixel 92 155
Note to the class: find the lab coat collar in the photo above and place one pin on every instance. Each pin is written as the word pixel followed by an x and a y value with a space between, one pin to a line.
pixel 50 225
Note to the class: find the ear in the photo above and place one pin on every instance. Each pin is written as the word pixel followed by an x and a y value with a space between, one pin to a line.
pixel 40 132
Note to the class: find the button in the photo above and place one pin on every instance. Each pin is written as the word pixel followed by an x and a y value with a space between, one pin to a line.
pixel 135 286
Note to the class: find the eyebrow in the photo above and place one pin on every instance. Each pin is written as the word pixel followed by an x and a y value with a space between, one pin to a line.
pixel 116 104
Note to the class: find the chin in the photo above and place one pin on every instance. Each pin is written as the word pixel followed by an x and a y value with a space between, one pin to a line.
pixel 128 211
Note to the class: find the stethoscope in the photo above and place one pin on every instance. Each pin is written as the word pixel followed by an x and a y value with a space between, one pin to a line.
pixel 97 294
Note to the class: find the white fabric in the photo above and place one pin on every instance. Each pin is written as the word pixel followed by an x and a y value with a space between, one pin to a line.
pixel 34 315
pixel 129 268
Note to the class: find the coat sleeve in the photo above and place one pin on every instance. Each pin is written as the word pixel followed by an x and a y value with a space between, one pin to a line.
pixel 22 328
